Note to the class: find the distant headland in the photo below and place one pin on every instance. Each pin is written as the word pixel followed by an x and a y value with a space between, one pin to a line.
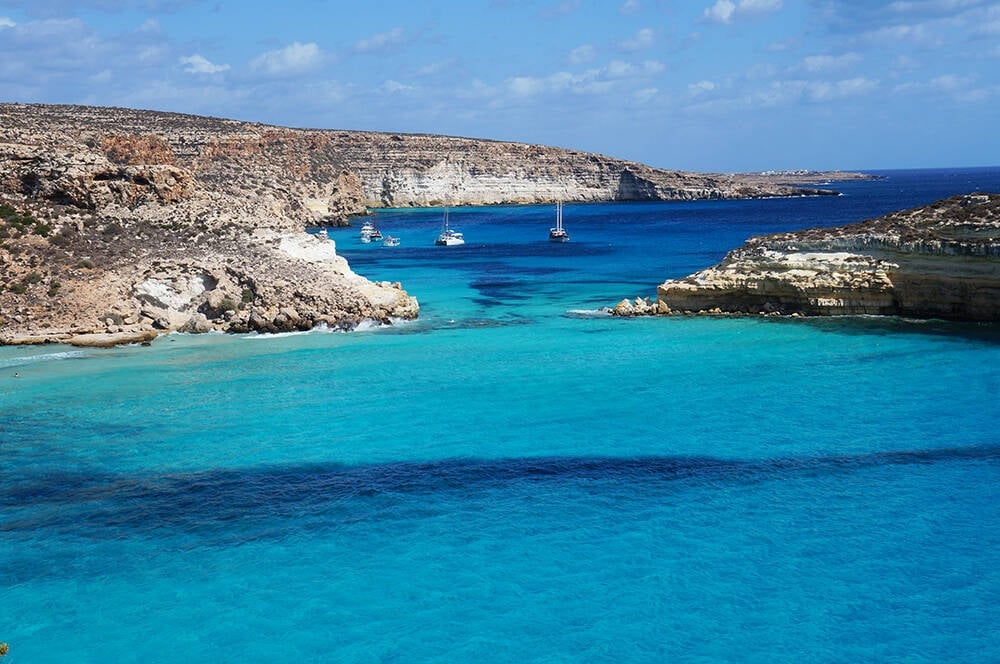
pixel 119 224
pixel 936 261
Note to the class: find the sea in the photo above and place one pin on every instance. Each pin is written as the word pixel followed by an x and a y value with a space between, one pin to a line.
pixel 516 476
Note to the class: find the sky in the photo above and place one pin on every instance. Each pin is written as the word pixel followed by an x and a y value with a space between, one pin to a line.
pixel 699 85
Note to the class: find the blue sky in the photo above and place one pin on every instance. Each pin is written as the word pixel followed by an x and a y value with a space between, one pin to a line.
pixel 705 85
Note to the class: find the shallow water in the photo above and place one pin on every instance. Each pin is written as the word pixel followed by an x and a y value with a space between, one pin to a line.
pixel 509 479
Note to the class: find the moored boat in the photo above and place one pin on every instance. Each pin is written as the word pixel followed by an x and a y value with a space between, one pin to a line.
pixel 558 233
pixel 367 229
pixel 449 237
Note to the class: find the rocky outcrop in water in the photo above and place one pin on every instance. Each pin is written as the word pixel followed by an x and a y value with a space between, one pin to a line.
pixel 937 261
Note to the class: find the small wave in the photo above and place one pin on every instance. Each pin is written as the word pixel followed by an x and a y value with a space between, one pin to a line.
pixel 603 312
pixel 364 325
pixel 279 335
pixel 44 357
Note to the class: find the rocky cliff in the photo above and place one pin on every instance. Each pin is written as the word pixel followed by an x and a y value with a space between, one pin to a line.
pixel 116 225
pixel 125 222
pixel 937 261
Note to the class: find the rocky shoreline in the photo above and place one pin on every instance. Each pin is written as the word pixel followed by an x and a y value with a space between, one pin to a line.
pixel 118 224
pixel 936 261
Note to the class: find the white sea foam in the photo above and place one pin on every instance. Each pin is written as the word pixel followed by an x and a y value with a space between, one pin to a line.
pixel 276 335
pixel 43 357
pixel 603 312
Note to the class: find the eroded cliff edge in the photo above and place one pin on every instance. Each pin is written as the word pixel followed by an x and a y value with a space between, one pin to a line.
pixel 937 261
pixel 118 225
pixel 125 222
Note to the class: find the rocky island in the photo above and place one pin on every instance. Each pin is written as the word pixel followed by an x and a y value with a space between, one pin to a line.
pixel 117 224
pixel 936 261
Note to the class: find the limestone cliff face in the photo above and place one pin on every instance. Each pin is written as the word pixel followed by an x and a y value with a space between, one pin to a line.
pixel 398 170
pixel 116 225
pixel 936 261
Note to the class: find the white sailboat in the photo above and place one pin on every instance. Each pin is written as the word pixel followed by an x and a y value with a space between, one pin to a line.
pixel 448 236
pixel 558 233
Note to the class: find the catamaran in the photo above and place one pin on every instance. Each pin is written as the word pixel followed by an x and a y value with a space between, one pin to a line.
pixel 449 237
pixel 558 233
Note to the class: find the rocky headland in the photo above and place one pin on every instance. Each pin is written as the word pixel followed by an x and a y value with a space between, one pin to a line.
pixel 119 224
pixel 937 261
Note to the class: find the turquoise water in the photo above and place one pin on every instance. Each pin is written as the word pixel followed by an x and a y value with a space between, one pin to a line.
pixel 514 477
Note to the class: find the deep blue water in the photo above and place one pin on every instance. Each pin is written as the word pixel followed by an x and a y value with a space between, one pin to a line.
pixel 512 477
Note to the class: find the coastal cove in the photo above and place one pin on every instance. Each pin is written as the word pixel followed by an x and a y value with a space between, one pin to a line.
pixel 513 475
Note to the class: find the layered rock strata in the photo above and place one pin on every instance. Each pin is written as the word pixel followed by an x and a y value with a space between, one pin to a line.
pixel 116 226
pixel 937 261
pixel 319 175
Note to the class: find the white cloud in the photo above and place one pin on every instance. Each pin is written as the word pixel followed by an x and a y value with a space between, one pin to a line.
pixel 630 7
pixel 701 87
pixel 561 9
pixel 891 36
pixel 721 12
pixel 644 38
pixel 960 88
pixel 526 86
pixel 727 11
pixel 856 86
pixel 990 28
pixel 6 23
pixel 437 67
pixel 787 92
pixel 582 54
pixel 292 59
pixel 150 25
pixel 950 83
pixel 821 63
pixel 762 71
pixel 381 42
pixel 935 6
pixel 645 94
pixel 650 67
pixel 618 76
pixel 759 6
pixel 197 64
pixel 392 86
